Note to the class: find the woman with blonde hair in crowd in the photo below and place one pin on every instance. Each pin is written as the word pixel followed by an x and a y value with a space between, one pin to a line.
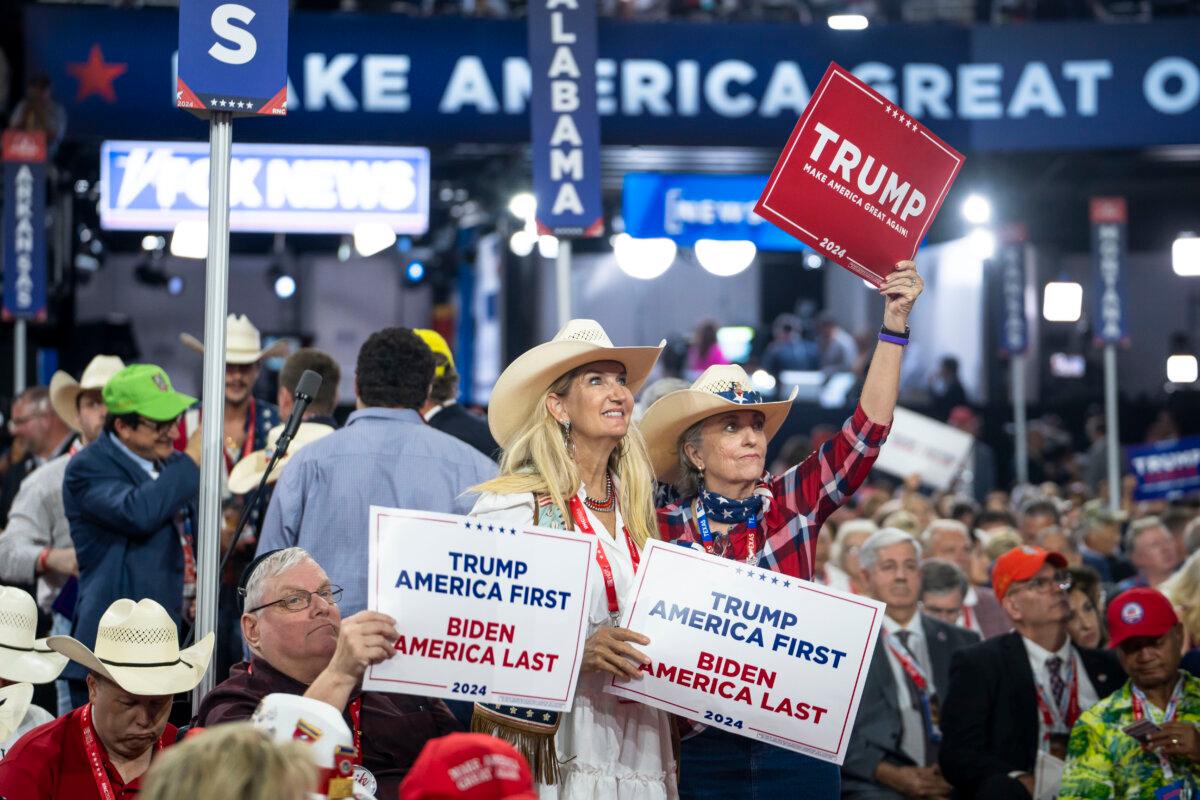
pixel 1183 590
pixel 231 761
pixel 710 440
pixel 572 459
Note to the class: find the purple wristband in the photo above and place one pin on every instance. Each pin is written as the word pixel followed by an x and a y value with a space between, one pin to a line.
pixel 887 337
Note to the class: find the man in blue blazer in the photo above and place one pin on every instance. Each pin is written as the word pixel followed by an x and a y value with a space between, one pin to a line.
pixel 130 502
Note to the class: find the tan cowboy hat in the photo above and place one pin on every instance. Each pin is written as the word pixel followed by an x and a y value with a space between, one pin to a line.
pixel 65 390
pixel 14 702
pixel 720 388
pixel 246 474
pixel 581 341
pixel 137 648
pixel 243 343
pixel 24 659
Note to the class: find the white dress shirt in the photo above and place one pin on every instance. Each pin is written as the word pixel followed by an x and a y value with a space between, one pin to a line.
pixel 970 600
pixel 912 742
pixel 1038 656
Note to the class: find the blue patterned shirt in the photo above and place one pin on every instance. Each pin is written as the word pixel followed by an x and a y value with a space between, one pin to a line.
pixel 385 457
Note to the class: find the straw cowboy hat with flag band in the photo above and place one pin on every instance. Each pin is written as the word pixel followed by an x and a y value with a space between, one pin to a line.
pixel 246 474
pixel 14 702
pixel 243 343
pixel 24 659
pixel 137 648
pixel 718 390
pixel 581 341
pixel 65 390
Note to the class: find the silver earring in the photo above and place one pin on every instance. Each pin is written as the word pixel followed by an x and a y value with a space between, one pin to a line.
pixel 566 431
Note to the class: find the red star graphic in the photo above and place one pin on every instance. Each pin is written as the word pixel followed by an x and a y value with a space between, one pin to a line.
pixel 96 77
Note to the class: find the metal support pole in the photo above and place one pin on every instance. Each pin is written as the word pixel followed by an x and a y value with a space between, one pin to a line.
pixel 1019 435
pixel 18 357
pixel 216 303
pixel 1111 434
pixel 562 281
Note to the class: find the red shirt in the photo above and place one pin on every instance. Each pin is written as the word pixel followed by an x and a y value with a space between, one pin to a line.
pixel 51 763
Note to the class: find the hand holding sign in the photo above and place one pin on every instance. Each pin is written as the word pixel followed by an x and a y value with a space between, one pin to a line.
pixel 901 288
pixel 860 181
pixel 608 650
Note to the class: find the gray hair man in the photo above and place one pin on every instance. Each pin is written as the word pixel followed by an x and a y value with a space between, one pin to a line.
pixel 1153 552
pixel 951 540
pixel 893 750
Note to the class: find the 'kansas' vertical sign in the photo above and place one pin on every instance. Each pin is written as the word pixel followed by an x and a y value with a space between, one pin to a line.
pixel 1109 217
pixel 24 224
pixel 563 117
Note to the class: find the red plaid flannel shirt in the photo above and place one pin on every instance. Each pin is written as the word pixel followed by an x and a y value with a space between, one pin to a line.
pixel 803 497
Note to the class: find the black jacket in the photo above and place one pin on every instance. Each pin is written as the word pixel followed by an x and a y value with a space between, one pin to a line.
pixel 465 426
pixel 878 729
pixel 990 716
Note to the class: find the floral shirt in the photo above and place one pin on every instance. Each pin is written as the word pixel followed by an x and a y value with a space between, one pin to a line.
pixel 1104 762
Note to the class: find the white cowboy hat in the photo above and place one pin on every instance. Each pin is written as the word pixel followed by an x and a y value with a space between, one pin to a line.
pixel 243 343
pixel 14 702
pixel 65 390
pixel 581 341
pixel 24 659
pixel 137 648
pixel 720 388
pixel 246 474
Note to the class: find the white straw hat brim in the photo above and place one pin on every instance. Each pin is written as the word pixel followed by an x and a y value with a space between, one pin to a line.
pixel 672 414
pixel 518 389
pixel 146 680
pixel 64 391
pixel 277 348
pixel 14 702
pixel 40 665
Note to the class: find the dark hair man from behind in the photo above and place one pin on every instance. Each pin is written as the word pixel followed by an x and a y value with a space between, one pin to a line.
pixel 325 403
pixel 394 370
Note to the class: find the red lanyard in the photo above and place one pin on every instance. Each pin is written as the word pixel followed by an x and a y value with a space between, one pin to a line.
pixel 610 584
pixel 706 537
pixel 356 721
pixel 911 668
pixel 94 756
pixel 966 615
pixel 1051 714
pixel 1138 699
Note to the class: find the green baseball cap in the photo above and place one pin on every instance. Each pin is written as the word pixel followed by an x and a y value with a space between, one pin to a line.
pixel 145 389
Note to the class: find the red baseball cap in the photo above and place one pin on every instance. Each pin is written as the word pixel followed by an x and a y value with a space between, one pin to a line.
pixel 473 766
pixel 1021 564
pixel 1140 612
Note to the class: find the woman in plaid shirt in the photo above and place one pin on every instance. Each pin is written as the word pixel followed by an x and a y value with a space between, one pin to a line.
pixel 710 441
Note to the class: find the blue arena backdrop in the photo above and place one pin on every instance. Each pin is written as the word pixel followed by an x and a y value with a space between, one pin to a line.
pixel 431 81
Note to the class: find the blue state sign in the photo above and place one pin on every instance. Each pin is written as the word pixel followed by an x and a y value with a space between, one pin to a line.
pixel 233 57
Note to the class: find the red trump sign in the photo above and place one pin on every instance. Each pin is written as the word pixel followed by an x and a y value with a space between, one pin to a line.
pixel 860 181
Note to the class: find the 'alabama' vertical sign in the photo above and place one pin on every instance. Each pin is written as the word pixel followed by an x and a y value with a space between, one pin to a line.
pixel 1109 216
pixel 564 121
pixel 24 224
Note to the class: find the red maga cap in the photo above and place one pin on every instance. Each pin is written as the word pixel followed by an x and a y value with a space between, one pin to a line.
pixel 1140 612
pixel 472 766
pixel 1021 564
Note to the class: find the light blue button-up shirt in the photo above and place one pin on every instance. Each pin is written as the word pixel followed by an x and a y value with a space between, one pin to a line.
pixel 385 457
pixel 144 463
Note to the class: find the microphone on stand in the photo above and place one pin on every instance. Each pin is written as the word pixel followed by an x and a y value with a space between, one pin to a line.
pixel 306 389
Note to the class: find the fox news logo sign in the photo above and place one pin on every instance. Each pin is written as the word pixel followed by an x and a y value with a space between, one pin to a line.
pixel 272 188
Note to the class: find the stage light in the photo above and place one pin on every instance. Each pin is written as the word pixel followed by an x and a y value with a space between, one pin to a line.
pixel 848 22
pixel 1182 369
pixel 345 249
pixel 1185 255
pixel 724 258
pixel 285 287
pixel 373 237
pixel 813 261
pixel 522 243
pixel 175 284
pixel 414 272
pixel 643 258
pixel 1062 301
pixel 977 209
pixel 152 242
pixel 763 381
pixel 983 243
pixel 190 239
pixel 547 246
pixel 523 205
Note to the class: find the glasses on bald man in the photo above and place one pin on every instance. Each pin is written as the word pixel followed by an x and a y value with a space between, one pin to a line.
pixel 1059 581
pixel 300 600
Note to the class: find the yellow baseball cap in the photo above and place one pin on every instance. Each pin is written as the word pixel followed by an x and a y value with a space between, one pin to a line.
pixel 437 344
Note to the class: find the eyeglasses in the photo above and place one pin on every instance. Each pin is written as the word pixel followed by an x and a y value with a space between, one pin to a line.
pixel 1059 580
pixel 298 601
pixel 158 427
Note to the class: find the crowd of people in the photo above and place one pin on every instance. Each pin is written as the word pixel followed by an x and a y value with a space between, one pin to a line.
pixel 1040 642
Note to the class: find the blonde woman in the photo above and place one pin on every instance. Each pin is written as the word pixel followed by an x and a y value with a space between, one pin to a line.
pixel 1183 590
pixel 573 460
pixel 231 761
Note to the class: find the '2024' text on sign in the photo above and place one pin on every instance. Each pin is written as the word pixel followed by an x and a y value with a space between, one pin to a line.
pixel 751 651
pixel 486 612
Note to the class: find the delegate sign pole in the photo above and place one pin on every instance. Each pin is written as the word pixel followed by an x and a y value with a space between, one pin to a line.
pixel 1014 336
pixel 562 281
pixel 1020 424
pixel 19 366
pixel 1109 216
pixel 232 62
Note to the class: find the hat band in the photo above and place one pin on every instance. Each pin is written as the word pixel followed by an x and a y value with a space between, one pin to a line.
pixel 106 662
pixel 18 649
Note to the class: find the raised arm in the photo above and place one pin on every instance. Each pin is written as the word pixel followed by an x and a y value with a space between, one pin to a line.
pixel 882 386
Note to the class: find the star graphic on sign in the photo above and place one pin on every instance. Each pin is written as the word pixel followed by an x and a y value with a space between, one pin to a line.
pixel 529 714
pixel 545 717
pixel 512 709
pixel 491 528
pixel 787 584
pixel 887 109
pixel 775 579
pixel 762 577
pixel 738 570
pixel 96 76
pixel 895 113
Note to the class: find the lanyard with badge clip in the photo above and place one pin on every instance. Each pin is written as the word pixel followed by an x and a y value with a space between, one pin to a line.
pixel 362 776
pixel 1052 714
pixel 610 583
pixel 1139 702
pixel 706 535
pixel 919 680
pixel 96 759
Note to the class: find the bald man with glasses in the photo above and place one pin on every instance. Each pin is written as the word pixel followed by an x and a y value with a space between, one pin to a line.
pixel 299 644
pixel 1016 695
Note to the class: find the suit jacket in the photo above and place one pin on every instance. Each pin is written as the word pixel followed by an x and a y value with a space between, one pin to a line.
pixel 123 525
pixel 990 716
pixel 465 426
pixel 878 730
